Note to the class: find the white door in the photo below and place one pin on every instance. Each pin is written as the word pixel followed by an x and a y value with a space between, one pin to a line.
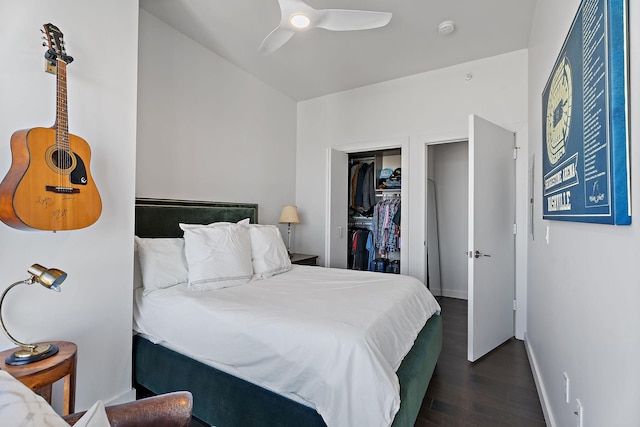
pixel 337 199
pixel 491 248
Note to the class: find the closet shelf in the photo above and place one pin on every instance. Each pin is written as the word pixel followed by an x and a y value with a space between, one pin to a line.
pixel 361 222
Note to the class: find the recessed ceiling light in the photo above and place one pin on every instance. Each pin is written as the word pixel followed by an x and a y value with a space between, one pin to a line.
pixel 446 27
pixel 299 20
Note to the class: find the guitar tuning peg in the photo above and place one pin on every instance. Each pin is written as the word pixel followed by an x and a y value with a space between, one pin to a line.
pixel 44 44
pixel 41 30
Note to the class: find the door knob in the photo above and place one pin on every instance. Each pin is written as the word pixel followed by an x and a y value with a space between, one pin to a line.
pixel 478 254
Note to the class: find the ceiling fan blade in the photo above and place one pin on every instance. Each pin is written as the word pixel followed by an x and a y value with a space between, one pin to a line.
pixel 275 40
pixel 348 20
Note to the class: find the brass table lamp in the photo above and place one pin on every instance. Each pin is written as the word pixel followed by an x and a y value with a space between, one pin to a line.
pixel 50 278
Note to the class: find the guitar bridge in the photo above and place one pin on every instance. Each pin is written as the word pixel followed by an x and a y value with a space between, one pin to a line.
pixel 62 190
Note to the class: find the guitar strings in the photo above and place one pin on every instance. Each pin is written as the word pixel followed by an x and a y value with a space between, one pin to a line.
pixel 62 132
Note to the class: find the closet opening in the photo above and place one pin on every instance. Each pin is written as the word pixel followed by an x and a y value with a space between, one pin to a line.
pixel 374 182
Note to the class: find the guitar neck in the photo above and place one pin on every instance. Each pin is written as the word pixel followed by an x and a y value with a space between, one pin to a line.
pixel 62 117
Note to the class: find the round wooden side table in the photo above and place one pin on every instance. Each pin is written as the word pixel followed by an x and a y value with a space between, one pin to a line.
pixel 39 376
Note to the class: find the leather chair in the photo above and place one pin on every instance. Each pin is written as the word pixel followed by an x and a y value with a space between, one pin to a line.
pixel 166 410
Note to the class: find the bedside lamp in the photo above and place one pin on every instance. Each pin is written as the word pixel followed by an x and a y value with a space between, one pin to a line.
pixel 50 278
pixel 289 215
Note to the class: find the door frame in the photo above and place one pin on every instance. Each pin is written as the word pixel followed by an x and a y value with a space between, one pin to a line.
pixel 332 224
pixel 427 208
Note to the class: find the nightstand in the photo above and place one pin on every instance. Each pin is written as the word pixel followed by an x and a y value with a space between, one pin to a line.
pixel 304 259
pixel 39 376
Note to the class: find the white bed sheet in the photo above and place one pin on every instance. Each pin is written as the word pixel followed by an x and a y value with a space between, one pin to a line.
pixel 330 338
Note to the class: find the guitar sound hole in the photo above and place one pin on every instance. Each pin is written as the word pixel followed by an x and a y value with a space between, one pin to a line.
pixel 62 159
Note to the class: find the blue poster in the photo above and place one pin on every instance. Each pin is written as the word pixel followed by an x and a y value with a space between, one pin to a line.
pixel 585 120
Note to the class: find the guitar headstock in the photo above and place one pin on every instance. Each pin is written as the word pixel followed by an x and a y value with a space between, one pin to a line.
pixel 55 41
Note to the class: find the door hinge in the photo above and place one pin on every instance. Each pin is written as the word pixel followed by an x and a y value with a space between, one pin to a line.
pixel 515 153
pixel 515 305
pixel 515 229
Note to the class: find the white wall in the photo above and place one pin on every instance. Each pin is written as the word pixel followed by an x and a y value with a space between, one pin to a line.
pixel 423 108
pixel 208 130
pixel 584 285
pixel 94 308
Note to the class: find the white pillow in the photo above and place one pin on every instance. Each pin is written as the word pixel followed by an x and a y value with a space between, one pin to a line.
pixel 96 416
pixel 269 255
pixel 162 262
pixel 19 406
pixel 184 226
pixel 217 257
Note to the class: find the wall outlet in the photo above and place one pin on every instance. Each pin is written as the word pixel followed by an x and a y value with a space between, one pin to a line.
pixel 579 413
pixel 566 387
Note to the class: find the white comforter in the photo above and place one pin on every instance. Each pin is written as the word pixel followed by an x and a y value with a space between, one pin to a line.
pixel 331 338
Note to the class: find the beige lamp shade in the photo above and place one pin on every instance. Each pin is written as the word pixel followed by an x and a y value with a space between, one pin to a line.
pixel 289 215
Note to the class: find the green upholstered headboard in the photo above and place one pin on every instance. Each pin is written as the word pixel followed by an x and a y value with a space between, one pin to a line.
pixel 160 217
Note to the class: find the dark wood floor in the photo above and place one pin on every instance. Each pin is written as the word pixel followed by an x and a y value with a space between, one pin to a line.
pixel 496 391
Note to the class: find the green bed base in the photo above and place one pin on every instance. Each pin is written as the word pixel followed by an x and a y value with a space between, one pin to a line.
pixel 416 370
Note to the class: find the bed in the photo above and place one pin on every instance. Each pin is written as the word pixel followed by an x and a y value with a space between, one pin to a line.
pixel 225 397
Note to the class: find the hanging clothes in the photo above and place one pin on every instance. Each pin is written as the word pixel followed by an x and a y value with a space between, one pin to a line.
pixel 360 249
pixel 385 231
pixel 353 183
pixel 362 187
pixel 369 188
pixel 371 264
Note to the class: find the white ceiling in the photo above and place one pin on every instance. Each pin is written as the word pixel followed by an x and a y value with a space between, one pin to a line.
pixel 316 62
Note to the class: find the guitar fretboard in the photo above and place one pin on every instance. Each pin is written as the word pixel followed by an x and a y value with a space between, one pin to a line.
pixel 62 121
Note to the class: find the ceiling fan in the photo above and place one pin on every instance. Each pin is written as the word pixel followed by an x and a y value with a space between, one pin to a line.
pixel 296 15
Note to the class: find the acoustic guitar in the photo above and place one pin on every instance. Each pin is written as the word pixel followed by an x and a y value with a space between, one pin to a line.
pixel 49 185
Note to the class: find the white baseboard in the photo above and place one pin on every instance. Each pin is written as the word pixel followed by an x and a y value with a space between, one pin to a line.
pixel 542 391
pixel 449 293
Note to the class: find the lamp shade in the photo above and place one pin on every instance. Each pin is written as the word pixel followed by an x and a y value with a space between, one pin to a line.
pixel 289 215
pixel 50 278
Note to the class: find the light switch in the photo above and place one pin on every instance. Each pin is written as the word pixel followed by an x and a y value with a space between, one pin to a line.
pixel 546 237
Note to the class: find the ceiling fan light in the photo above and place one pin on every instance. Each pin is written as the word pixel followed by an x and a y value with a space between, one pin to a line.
pixel 300 20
